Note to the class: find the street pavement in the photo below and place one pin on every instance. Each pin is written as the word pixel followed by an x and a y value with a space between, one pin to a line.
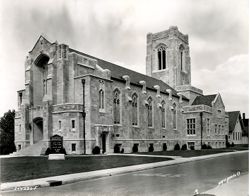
pixel 237 186
pixel 181 179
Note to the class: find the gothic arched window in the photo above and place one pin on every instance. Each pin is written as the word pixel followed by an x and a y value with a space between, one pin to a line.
pixel 174 116
pixel 134 109
pixel 101 99
pixel 150 114
pixel 42 64
pixel 161 52
pixel 116 106
pixel 163 119
pixel 181 49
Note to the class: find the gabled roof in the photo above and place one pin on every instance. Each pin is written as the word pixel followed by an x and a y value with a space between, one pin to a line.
pixel 233 117
pixel 245 123
pixel 40 37
pixel 117 72
pixel 204 100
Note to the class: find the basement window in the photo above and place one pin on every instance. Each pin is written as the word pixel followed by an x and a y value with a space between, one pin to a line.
pixel 73 147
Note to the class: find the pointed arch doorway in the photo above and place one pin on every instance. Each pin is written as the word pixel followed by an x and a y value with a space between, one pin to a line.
pixel 37 129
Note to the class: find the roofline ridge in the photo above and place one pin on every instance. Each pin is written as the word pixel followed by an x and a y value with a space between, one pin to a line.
pixel 233 111
pixel 123 67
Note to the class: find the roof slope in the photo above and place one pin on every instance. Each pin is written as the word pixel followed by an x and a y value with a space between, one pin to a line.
pixel 233 117
pixel 204 100
pixel 117 72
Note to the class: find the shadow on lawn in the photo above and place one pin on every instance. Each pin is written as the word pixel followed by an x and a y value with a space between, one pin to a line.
pixel 25 168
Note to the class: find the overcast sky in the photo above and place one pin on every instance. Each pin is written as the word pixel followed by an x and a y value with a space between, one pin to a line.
pixel 115 30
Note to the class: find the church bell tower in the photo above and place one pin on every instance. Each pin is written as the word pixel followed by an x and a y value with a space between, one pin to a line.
pixel 168 57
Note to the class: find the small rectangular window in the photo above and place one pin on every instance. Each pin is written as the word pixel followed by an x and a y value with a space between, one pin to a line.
pixel 73 147
pixel 20 128
pixel 215 128
pixel 72 124
pixel 101 99
pixel 59 125
pixel 20 98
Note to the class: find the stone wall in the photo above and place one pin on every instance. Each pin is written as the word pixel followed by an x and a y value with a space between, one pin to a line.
pixel 127 134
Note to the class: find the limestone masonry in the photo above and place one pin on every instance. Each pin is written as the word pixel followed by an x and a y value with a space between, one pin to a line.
pixel 91 102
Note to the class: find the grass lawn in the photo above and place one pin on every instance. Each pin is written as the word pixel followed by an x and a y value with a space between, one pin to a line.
pixel 25 168
pixel 194 153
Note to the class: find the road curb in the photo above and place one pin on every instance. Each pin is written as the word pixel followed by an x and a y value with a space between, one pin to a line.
pixel 71 178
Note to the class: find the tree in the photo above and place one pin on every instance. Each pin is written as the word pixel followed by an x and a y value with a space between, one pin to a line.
pixel 7 122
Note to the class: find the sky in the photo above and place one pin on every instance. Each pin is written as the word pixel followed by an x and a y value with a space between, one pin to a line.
pixel 115 30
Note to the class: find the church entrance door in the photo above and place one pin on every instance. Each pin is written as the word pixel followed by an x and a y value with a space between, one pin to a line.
pixel 104 142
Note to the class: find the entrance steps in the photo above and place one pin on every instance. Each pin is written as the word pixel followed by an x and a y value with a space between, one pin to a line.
pixel 32 150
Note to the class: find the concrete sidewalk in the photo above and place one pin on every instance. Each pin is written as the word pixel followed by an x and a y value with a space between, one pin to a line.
pixel 70 178
pixel 146 155
pixel 236 186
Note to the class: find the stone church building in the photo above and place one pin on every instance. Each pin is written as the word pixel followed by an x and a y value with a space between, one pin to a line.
pixel 91 102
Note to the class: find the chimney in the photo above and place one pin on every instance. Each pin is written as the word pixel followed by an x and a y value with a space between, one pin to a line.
pixel 243 116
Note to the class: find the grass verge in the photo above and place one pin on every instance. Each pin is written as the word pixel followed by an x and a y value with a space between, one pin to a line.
pixel 26 168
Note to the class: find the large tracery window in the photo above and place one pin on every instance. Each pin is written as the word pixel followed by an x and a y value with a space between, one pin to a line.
pixel 181 49
pixel 163 120
pixel 134 109
pixel 161 52
pixel 116 106
pixel 174 116
pixel 150 114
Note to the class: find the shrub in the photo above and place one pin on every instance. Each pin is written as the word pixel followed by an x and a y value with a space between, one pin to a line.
pixel 151 148
pixel 204 146
pixel 122 151
pixel 117 148
pixel 232 145
pixel 227 144
pixel 177 147
pixel 164 147
pixel 96 150
pixel 62 151
pixel 191 147
pixel 48 151
pixel 209 147
pixel 184 147
pixel 135 148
